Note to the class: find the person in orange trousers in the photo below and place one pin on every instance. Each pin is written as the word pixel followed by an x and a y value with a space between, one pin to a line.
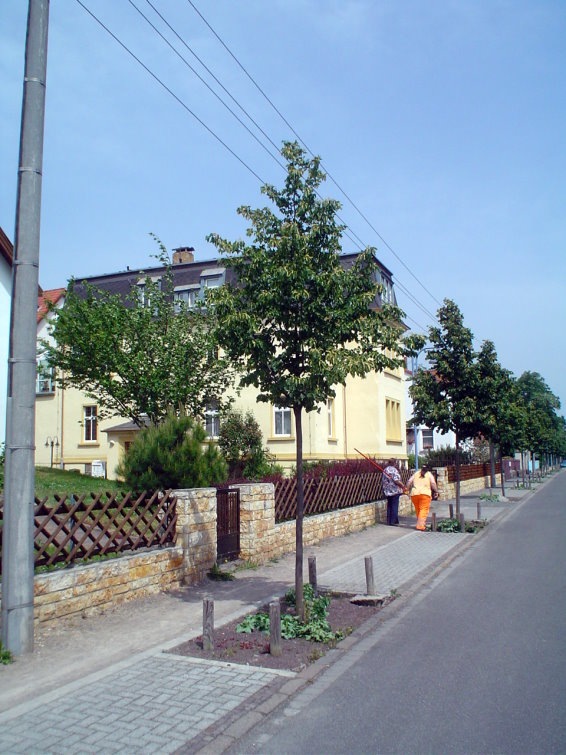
pixel 421 487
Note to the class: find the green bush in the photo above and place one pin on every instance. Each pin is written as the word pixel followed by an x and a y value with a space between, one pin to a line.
pixel 241 443
pixel 172 455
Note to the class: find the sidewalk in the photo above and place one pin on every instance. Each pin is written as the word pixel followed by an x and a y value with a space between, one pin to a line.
pixel 105 685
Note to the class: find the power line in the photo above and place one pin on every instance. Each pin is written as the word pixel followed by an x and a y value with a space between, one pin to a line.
pixel 170 91
pixel 359 241
pixel 334 181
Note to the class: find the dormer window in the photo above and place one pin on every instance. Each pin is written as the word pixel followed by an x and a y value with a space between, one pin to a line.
pixel 387 289
pixel 189 295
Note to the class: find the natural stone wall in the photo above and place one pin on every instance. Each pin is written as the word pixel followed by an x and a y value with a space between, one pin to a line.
pixel 447 490
pixel 262 539
pixel 92 588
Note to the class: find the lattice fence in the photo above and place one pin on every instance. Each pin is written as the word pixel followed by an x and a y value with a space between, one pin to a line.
pixel 80 527
pixel 329 493
pixel 472 471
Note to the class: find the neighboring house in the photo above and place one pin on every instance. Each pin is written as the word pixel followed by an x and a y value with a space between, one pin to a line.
pixel 6 259
pixel 367 413
pixel 428 439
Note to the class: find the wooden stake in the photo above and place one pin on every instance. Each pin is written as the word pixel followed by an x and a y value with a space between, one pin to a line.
pixel 312 574
pixel 275 628
pixel 433 524
pixel 478 509
pixel 370 584
pixel 462 522
pixel 451 510
pixel 208 624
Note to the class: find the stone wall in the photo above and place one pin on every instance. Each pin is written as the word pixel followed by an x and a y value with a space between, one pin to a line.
pixel 87 589
pixel 262 539
pixel 447 490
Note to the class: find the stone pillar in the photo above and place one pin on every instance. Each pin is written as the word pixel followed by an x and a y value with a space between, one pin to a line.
pixel 257 521
pixel 442 483
pixel 196 531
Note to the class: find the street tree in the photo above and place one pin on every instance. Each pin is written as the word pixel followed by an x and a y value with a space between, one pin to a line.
pixel 298 323
pixel 138 357
pixel 500 410
pixel 444 396
pixel 543 424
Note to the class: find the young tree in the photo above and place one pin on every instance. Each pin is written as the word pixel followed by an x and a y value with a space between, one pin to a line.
pixel 297 323
pixel 138 358
pixel 542 427
pixel 502 416
pixel 241 443
pixel 444 396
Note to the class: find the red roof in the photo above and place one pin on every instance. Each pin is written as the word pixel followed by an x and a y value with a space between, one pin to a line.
pixel 6 248
pixel 53 296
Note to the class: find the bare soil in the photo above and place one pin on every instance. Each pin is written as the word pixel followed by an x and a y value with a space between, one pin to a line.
pixel 253 649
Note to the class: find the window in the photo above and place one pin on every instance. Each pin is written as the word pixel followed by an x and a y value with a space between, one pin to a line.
pixel 212 282
pixel 393 420
pixel 387 290
pixel 281 420
pixel 330 412
pixel 44 381
pixel 90 423
pixel 188 296
pixel 212 420
pixel 428 441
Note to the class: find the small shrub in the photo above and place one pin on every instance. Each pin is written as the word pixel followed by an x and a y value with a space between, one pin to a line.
pixel 216 573
pixel 241 443
pixel 172 455
pixel 5 655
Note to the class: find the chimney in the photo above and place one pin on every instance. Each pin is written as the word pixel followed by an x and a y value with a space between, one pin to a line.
pixel 183 254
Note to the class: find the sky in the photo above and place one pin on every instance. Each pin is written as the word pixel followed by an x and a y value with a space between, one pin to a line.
pixel 443 122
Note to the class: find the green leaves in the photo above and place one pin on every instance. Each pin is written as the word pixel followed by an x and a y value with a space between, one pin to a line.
pixel 138 357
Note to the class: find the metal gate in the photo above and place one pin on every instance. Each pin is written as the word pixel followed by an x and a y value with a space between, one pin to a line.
pixel 227 524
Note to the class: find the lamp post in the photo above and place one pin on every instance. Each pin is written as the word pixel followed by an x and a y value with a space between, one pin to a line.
pixel 414 368
pixel 49 441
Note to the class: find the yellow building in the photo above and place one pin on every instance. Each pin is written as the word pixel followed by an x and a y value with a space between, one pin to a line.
pixel 367 413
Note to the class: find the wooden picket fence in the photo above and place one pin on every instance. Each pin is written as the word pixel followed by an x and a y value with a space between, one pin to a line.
pixel 78 528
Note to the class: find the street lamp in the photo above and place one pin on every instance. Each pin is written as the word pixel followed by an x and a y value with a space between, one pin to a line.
pixel 414 368
pixel 49 441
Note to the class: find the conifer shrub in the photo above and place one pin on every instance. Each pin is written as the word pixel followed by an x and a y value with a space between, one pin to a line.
pixel 172 454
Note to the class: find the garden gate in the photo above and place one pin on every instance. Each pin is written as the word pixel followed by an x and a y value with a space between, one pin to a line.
pixel 227 524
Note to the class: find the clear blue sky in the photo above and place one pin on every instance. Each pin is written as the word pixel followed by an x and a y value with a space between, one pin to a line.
pixel 444 122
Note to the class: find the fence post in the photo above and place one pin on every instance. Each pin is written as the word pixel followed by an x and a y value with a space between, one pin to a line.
pixel 370 584
pixel 433 524
pixel 312 573
pixel 275 628
pixel 208 624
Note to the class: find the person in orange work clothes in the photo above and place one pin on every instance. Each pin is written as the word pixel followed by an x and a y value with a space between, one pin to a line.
pixel 421 487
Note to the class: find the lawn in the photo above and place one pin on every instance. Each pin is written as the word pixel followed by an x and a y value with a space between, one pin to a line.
pixel 50 481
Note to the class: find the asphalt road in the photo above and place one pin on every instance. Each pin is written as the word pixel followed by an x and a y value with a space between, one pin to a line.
pixel 474 663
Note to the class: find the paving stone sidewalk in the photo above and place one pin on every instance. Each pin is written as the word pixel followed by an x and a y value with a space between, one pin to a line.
pixel 159 703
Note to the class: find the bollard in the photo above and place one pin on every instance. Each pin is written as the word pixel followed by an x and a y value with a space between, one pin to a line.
pixel 433 521
pixel 370 584
pixel 275 629
pixel 312 574
pixel 208 624
pixel 462 522
pixel 451 510
pixel 478 510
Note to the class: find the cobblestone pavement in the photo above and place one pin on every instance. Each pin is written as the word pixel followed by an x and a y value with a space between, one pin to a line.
pixel 394 563
pixel 161 702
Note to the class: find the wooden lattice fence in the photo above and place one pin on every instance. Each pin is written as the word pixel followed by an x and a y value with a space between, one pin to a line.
pixel 472 471
pixel 324 494
pixel 77 528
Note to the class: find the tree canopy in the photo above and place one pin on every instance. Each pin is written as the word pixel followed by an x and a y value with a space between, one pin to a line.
pixel 138 358
pixel 298 322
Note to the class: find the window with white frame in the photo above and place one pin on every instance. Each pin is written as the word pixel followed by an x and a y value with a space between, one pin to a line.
pixel 212 420
pixel 45 378
pixel 387 290
pixel 90 423
pixel 330 412
pixel 186 295
pixel 281 420
pixel 427 436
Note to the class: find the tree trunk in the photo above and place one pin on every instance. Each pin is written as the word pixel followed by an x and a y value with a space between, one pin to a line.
pixel 300 605
pixel 492 482
pixel 457 475
pixel 502 475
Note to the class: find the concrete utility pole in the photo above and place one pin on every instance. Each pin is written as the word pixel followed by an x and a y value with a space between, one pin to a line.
pixel 19 483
